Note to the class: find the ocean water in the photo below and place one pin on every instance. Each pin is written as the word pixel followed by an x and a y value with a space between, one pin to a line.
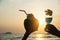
pixel 31 37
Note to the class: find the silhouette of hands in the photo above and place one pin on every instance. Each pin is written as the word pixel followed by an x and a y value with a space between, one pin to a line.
pixel 52 30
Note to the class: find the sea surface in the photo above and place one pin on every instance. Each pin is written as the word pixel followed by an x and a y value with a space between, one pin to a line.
pixel 31 37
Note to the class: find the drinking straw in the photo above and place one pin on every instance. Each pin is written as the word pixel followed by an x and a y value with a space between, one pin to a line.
pixel 23 11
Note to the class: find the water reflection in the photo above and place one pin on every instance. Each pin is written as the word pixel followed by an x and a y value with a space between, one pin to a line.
pixel 38 37
pixel 43 37
pixel 31 37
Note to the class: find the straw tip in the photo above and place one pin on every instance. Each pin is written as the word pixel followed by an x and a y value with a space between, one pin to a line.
pixel 20 10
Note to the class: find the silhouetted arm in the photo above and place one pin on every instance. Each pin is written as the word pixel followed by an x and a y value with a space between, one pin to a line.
pixel 26 35
pixel 52 30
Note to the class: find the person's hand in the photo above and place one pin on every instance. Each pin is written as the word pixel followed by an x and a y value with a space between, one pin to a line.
pixel 52 30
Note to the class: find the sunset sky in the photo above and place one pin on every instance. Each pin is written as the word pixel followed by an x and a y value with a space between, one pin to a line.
pixel 12 20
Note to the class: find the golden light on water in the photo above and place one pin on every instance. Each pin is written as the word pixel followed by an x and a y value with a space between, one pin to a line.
pixel 38 37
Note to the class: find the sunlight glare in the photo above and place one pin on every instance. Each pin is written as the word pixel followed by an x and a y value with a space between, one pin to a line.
pixel 42 21
pixel 39 38
pixel 42 24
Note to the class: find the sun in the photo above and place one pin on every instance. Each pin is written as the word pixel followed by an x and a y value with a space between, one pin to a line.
pixel 42 24
pixel 41 21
